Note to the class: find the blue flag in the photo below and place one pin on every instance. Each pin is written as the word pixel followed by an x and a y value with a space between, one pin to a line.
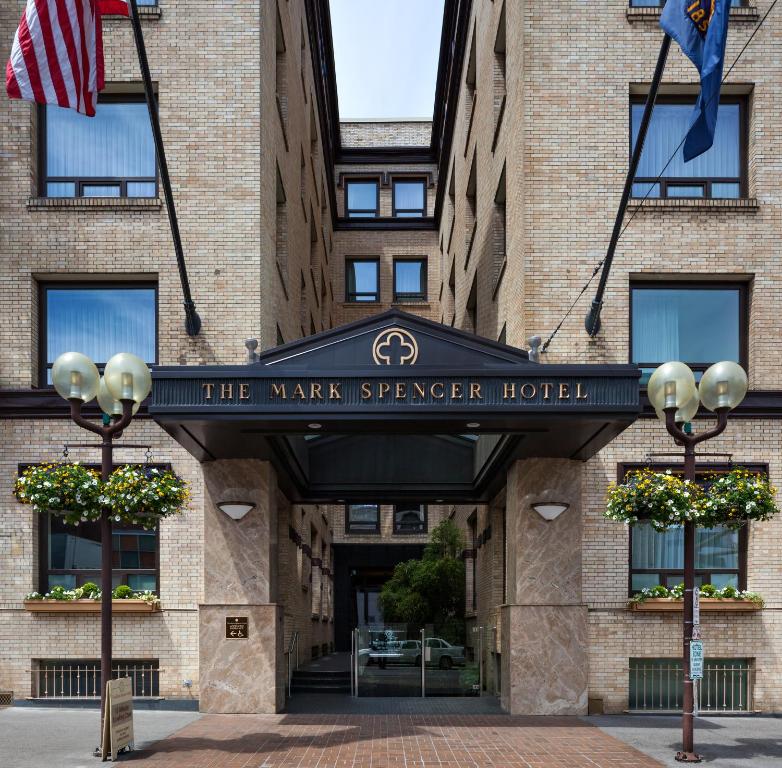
pixel 700 27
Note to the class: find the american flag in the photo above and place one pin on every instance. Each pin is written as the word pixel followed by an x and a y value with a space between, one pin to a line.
pixel 57 55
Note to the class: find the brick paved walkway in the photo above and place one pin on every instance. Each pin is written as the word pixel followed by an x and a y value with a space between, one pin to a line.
pixel 389 741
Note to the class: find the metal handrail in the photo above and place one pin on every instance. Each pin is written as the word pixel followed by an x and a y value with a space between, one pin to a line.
pixel 292 646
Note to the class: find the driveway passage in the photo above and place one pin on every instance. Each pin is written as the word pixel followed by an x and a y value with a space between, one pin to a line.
pixel 389 741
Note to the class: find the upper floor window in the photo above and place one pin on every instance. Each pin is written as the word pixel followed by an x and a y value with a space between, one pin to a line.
pixel 410 518
pixel 362 518
pixel 362 199
pixel 409 198
pixel 97 320
pixel 109 155
pixel 718 173
pixel 409 280
pixel 362 280
pixel 71 555
pixel 699 324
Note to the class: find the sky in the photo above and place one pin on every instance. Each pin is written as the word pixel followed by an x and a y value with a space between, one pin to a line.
pixel 386 54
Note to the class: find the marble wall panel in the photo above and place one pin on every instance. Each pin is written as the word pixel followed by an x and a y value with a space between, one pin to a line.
pixel 544 659
pixel 241 675
pixel 240 562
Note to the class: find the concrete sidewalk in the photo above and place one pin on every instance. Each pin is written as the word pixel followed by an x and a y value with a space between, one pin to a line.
pixel 55 737
pixel 724 742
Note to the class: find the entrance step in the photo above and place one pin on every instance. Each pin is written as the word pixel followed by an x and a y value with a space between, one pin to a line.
pixel 317 681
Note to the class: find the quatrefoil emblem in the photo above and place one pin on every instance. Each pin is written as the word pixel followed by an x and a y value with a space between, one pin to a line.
pixel 395 346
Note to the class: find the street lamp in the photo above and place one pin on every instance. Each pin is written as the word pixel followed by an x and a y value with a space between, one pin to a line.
pixel 125 383
pixel 675 397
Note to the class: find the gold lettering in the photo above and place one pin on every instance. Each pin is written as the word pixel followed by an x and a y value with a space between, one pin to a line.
pixel 298 392
pixel 208 390
pixel 528 391
pixel 456 390
pixel 693 6
pixel 418 390
pixel 401 390
pixel 334 393
pixel 698 15
pixel 244 391
pixel 366 390
pixel 382 388
pixel 508 391
pixel 226 391
pixel 564 391
pixel 546 387
pixel 580 395
pixel 475 391
pixel 438 386
pixel 315 391
pixel 278 390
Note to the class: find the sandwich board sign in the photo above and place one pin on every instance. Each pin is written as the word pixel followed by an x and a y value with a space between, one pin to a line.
pixel 118 720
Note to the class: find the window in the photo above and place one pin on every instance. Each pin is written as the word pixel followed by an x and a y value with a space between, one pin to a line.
pixel 470 211
pixel 362 518
pixel 409 280
pixel 361 280
pixel 71 555
pixel 657 557
pixel 409 198
pixel 472 566
pixel 109 155
pixel 362 199
pixel 410 518
pixel 72 313
pixel 499 235
pixel 718 173
pixel 498 76
pixel 699 324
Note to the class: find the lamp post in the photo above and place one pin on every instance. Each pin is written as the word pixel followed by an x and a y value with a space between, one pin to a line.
pixel 126 381
pixel 676 397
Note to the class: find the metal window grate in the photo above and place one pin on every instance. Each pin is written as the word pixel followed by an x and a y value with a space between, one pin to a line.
pixel 80 678
pixel 656 685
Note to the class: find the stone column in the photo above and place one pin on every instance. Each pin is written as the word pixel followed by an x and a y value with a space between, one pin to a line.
pixel 240 580
pixel 544 624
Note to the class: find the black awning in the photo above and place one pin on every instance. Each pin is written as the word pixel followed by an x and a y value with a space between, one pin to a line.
pixel 394 406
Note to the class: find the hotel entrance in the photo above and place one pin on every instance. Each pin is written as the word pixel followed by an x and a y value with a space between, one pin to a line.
pixel 349 449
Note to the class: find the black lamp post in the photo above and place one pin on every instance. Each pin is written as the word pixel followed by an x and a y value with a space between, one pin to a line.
pixel 676 397
pixel 125 383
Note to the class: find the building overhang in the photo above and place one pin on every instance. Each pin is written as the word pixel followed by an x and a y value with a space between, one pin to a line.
pixel 394 407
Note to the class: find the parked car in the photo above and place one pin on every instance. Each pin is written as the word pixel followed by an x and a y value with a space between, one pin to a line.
pixel 439 652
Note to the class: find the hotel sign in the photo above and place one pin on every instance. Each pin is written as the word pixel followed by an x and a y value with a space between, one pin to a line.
pixel 553 391
pixel 395 370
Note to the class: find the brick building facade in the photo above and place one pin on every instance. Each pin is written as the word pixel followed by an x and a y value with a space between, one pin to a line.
pixel 518 175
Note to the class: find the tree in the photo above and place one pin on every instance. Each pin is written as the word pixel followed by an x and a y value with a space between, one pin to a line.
pixel 430 590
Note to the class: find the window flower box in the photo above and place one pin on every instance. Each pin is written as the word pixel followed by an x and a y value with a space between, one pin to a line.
pixel 666 604
pixel 91 606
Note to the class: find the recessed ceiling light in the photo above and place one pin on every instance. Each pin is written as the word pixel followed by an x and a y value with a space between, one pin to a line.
pixel 314 425
pixel 473 425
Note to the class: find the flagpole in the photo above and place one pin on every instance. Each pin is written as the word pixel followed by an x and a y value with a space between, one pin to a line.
pixel 592 322
pixel 192 320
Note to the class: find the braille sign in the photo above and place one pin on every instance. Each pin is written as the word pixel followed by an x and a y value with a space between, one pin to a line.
pixel 236 627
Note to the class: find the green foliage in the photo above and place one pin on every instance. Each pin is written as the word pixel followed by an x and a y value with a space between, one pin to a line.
pixel 90 590
pixel 737 496
pixel 142 496
pixel 122 592
pixel 430 590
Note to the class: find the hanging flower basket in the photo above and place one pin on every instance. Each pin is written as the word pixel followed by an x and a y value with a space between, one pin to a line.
pixel 143 495
pixel 737 496
pixel 664 499
pixel 69 490
pixel 661 498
